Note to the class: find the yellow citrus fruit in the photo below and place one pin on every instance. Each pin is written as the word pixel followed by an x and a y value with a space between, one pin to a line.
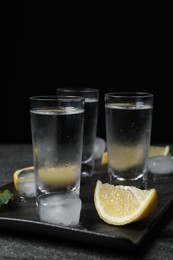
pixel 17 173
pixel 154 150
pixel 104 158
pixel 122 157
pixel 59 176
pixel 117 155
pixel 121 205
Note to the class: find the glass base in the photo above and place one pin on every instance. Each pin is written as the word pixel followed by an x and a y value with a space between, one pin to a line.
pixel 140 182
pixel 87 171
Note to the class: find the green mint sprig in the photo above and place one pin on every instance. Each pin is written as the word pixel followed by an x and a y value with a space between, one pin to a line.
pixel 5 197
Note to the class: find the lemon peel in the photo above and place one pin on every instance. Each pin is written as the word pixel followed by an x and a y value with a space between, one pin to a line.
pixel 17 173
pixel 155 150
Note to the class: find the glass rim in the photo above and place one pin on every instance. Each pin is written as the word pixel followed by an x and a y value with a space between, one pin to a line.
pixel 57 98
pixel 78 89
pixel 128 94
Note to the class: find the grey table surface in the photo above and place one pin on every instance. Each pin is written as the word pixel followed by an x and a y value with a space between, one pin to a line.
pixel 13 245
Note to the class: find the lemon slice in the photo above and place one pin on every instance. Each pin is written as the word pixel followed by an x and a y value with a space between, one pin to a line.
pixel 158 150
pixel 104 158
pixel 120 205
pixel 59 176
pixel 122 157
pixel 16 176
pixel 155 150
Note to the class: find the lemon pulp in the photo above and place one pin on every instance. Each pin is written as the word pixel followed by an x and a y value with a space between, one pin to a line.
pixel 155 150
pixel 59 176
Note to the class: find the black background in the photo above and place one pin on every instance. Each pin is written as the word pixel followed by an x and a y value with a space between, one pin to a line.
pixel 113 48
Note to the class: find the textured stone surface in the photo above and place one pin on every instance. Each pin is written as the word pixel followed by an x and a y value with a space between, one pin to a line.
pixel 158 245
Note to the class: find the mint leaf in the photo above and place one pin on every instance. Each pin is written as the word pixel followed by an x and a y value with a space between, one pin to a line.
pixel 5 197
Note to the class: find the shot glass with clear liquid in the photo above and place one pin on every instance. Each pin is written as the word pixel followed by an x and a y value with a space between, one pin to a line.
pixel 57 137
pixel 91 96
pixel 128 133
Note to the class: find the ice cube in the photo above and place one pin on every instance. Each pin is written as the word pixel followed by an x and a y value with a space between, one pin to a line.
pixel 26 184
pixel 77 190
pixel 100 146
pixel 161 164
pixel 61 209
pixel 27 189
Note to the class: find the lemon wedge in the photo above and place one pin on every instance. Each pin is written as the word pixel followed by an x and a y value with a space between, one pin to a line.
pixel 16 176
pixel 60 176
pixel 104 158
pixel 155 150
pixel 120 205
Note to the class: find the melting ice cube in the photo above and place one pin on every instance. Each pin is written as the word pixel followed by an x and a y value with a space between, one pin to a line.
pixel 26 184
pixel 62 209
pixel 100 146
pixel 27 189
pixel 161 165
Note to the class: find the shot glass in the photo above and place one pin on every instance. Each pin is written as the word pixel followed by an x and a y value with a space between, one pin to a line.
pixel 91 96
pixel 57 137
pixel 128 133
